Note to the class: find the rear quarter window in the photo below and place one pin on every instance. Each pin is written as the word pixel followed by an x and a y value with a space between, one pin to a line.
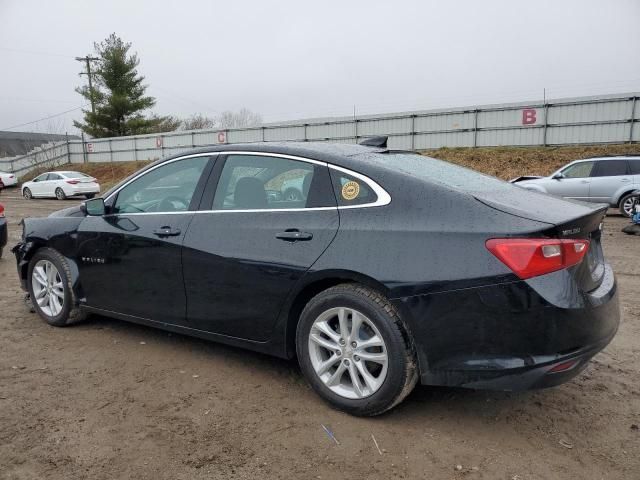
pixel 634 165
pixel 350 190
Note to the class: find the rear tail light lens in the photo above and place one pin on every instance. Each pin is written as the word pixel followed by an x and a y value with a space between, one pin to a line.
pixel 530 257
pixel 73 182
pixel 1 211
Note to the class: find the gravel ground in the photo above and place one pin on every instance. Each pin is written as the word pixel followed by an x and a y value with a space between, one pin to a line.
pixel 106 399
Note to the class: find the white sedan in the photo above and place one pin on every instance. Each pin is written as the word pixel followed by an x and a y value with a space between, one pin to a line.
pixel 61 185
pixel 8 179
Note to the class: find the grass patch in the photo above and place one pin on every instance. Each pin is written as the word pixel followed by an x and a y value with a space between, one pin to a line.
pixel 511 162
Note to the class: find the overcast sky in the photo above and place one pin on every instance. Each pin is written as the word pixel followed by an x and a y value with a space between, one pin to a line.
pixel 301 59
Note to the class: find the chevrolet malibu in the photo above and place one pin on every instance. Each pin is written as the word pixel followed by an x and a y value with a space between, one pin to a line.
pixel 389 268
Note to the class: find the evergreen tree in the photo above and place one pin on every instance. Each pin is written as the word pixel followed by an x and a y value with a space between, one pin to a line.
pixel 118 94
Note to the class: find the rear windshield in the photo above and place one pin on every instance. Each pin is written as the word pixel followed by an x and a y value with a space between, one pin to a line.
pixel 445 173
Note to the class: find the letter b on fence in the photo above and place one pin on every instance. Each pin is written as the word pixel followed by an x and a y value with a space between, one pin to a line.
pixel 529 116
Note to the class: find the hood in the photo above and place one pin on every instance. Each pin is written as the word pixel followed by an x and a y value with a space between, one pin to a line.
pixel 68 212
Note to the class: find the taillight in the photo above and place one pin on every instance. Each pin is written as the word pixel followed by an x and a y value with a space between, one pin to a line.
pixel 73 182
pixel 1 211
pixel 530 257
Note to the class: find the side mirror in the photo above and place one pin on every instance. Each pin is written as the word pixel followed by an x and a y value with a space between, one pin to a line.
pixel 558 176
pixel 94 207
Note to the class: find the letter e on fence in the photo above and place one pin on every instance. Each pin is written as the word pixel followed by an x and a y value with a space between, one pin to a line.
pixel 222 138
pixel 529 116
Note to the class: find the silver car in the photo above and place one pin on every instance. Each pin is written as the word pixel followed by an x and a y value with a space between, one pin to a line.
pixel 609 180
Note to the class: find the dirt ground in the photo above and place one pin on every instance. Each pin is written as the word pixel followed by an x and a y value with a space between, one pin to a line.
pixel 106 399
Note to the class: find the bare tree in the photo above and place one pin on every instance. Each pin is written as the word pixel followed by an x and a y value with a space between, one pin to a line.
pixel 197 121
pixel 242 118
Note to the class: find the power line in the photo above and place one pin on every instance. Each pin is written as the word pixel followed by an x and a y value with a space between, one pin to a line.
pixel 35 52
pixel 44 118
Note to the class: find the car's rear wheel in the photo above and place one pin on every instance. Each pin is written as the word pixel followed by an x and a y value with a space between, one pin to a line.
pixel 26 193
pixel 626 205
pixel 355 351
pixel 49 285
pixel 89 196
pixel 60 195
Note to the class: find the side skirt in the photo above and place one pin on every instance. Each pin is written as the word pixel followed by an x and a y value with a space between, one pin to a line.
pixel 267 347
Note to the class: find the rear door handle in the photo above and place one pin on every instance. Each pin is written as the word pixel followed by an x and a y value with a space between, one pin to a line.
pixel 166 232
pixel 294 235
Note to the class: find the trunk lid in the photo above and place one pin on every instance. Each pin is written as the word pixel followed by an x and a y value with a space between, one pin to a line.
pixel 566 219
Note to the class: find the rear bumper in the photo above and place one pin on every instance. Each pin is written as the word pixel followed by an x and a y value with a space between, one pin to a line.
pixel 80 190
pixel 510 336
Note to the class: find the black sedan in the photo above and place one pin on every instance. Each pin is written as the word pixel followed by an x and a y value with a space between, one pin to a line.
pixel 387 269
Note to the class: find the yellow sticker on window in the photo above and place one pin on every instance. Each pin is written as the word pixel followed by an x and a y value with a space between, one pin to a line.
pixel 350 190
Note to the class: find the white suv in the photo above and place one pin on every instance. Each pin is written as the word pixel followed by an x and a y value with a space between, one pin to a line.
pixel 609 180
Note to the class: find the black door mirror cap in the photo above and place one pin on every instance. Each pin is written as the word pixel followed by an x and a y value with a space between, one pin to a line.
pixel 94 207
pixel 558 176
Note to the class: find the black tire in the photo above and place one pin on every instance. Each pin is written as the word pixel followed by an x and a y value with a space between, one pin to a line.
pixel 60 195
pixel 623 204
pixel 26 193
pixel 402 366
pixel 89 196
pixel 70 312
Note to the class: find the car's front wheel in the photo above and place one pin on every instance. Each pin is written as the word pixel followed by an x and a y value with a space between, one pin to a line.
pixel 49 285
pixel 26 193
pixel 626 204
pixel 355 351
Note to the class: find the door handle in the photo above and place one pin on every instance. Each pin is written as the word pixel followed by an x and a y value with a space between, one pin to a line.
pixel 584 181
pixel 625 180
pixel 166 232
pixel 294 235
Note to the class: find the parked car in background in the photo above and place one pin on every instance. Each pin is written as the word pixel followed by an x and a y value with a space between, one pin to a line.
pixel 4 235
pixel 610 180
pixel 394 268
pixel 61 185
pixel 8 179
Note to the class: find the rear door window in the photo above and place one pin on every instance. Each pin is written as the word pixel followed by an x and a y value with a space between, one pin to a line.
pixel 578 170
pixel 610 168
pixel 54 176
pixel 260 182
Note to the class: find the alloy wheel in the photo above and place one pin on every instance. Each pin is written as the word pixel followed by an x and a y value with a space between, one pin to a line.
pixel 627 206
pixel 348 353
pixel 48 288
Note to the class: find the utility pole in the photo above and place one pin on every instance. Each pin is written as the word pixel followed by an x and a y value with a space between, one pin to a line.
pixel 88 59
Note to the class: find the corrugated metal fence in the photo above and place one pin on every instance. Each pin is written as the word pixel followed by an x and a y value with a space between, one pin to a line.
pixel 583 120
